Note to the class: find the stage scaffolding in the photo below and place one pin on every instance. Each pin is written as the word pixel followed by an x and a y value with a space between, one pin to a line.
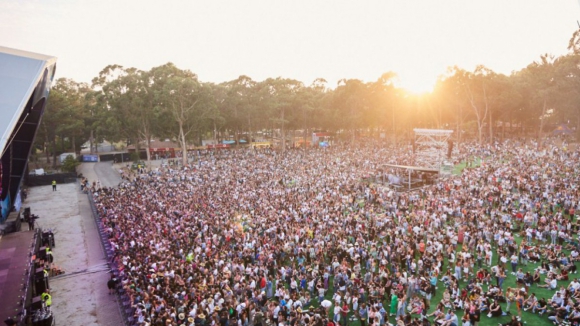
pixel 431 146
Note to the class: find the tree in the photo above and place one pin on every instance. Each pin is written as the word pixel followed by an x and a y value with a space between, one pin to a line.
pixel 538 83
pixel 567 78
pixel 279 96
pixel 117 98
pixel 127 95
pixel 350 105
pixel 73 116
pixel 189 103
pixel 70 164
pixel 47 130
pixel 240 108
pixel 382 101
pixel 64 118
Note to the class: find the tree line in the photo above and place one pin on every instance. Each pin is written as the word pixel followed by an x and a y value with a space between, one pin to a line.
pixel 168 102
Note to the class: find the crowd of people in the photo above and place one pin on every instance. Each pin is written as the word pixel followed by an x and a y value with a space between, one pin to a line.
pixel 314 237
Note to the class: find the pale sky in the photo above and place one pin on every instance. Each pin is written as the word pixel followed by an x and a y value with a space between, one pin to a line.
pixel 300 39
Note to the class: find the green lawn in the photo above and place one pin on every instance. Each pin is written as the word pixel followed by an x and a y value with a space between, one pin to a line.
pixel 457 169
pixel 527 316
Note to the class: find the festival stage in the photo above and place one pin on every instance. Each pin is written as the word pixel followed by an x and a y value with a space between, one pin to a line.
pixel 16 251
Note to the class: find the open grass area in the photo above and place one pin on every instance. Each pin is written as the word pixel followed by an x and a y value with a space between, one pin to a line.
pixel 457 169
pixel 527 316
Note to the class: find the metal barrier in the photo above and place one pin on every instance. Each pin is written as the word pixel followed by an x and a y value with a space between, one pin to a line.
pixel 124 302
pixel 46 180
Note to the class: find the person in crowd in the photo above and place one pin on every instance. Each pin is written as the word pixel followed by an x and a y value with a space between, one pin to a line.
pixel 256 231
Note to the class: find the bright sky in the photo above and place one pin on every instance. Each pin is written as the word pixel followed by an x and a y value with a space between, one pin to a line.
pixel 300 39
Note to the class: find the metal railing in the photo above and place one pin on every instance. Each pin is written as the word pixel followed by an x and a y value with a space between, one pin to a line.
pixel 123 300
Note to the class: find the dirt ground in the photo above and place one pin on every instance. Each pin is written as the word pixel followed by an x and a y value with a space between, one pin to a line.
pixel 80 295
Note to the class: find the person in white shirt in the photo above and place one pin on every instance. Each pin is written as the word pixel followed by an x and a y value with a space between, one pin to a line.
pixel 574 255
pixel 337 298
pixel 275 313
pixel 337 311
pixel 503 260
pixel 574 285
pixel 550 283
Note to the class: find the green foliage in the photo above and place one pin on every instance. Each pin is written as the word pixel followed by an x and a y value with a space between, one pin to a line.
pixel 70 164
pixel 168 102
pixel 135 157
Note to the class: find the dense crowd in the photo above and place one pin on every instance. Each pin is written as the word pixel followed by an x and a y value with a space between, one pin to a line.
pixel 314 237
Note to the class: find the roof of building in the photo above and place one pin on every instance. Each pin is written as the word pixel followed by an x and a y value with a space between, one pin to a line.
pixel 20 74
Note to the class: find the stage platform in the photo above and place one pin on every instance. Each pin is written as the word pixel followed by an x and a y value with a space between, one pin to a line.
pixel 15 261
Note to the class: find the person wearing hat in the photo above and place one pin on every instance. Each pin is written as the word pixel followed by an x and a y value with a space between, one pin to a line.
pixel 190 321
pixel 199 320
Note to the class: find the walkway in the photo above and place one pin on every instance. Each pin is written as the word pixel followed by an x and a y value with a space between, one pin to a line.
pixel 80 296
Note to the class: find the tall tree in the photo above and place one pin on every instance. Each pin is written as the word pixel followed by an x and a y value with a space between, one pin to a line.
pixel 538 83
pixel 279 95
pixel 189 103
pixel 64 119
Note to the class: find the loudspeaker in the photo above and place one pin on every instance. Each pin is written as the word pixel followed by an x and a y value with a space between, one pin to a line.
pixel 40 285
pixel 41 254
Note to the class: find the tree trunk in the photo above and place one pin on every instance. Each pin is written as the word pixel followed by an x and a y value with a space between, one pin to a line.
pixel 490 129
pixel 214 132
pixel 283 133
pixel 542 118
pixel 249 131
pixel 148 149
pixel 137 148
pixel 54 152
pixel 578 127
pixel 91 142
pixel 503 129
pixel 460 127
pixel 74 147
pixel 62 144
pixel 47 152
pixel 183 144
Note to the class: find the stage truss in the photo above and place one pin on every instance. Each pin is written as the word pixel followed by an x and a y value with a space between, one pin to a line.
pixel 431 146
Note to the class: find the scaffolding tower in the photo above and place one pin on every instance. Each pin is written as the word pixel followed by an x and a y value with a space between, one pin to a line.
pixel 431 147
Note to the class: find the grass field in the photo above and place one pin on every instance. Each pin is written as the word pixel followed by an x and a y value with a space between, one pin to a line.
pixel 527 316
pixel 457 169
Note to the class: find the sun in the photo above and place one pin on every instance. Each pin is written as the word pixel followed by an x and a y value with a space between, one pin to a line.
pixel 416 85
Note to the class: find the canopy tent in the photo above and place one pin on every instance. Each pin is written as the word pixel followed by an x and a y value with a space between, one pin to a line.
pixel 408 181
pixel 563 129
pixel 25 81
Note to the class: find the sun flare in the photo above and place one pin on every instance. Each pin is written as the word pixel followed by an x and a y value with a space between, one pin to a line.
pixel 416 84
